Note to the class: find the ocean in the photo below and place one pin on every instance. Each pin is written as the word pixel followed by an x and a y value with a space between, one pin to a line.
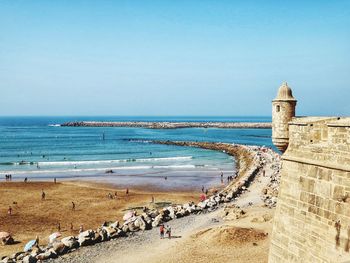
pixel 39 149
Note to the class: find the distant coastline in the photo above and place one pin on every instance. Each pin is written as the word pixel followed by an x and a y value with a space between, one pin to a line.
pixel 170 125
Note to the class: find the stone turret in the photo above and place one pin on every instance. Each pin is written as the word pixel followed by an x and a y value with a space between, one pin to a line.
pixel 283 110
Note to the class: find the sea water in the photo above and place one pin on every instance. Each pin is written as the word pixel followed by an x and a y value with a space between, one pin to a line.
pixel 38 148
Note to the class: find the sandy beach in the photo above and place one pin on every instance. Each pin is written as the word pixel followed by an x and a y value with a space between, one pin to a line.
pixel 200 236
pixel 31 216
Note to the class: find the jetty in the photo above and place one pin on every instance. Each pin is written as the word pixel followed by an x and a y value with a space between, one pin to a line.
pixel 171 125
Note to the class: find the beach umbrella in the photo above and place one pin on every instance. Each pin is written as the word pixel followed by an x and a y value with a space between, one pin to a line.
pixel 54 236
pixel 29 245
pixel 128 215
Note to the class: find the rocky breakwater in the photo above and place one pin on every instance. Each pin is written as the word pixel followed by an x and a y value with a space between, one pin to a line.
pixel 171 125
pixel 250 162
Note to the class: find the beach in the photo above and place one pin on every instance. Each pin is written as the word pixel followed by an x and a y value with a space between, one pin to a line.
pixel 33 216
pixel 239 231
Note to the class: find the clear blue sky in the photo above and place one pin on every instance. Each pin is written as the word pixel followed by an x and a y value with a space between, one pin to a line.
pixel 172 57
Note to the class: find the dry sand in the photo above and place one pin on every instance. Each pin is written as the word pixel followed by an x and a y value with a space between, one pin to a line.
pixel 31 216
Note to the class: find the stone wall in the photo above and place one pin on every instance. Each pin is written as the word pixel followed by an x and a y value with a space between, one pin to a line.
pixel 312 219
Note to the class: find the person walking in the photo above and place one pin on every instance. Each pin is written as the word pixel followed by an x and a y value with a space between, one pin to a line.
pixel 161 231
pixel 43 195
pixel 73 206
pixel 168 231
pixel 127 191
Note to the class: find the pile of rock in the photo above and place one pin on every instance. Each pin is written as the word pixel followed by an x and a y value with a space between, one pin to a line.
pixel 270 192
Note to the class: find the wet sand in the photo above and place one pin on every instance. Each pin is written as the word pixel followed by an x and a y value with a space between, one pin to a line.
pixel 32 216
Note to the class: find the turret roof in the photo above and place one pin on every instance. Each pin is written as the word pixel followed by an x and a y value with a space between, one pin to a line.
pixel 285 93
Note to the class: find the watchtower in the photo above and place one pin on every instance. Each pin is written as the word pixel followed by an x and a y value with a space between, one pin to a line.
pixel 283 110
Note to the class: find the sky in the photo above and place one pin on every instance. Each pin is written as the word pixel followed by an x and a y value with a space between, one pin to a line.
pixel 173 57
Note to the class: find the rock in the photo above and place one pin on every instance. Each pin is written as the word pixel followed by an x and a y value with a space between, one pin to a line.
pixel 115 225
pixel 16 255
pixel 60 248
pixel 202 205
pixel 140 224
pixel 125 228
pixel 171 213
pixel 70 242
pixel 7 240
pixel 111 231
pixel 157 221
pixel 20 256
pixel 7 260
pixel 86 238
pixel 29 259
pixel 211 204
pixel 101 235
pixel 147 219
pixel 46 255
pixel 153 213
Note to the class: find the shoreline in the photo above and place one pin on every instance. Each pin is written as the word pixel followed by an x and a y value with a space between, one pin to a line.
pixel 247 163
pixel 171 125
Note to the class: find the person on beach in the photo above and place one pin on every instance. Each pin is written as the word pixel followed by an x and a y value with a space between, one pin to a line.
pixel 161 231
pixel 168 231
pixel 73 206
pixel 71 227
pixel 58 227
pixel 43 195
pixel 202 188
pixel 127 191
pixel 9 211
pixel 26 180
pixel 110 196
pixel 81 229
pixel 206 191
pixel 54 180
pixel 166 177
pixel 115 194
pixel 152 199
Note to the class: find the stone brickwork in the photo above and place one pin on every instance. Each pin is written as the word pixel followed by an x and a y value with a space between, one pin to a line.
pixel 312 219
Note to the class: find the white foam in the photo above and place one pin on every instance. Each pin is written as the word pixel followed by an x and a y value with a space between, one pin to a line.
pixel 72 163
pixel 77 170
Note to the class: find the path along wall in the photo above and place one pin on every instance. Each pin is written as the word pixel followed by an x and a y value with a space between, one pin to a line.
pixel 312 219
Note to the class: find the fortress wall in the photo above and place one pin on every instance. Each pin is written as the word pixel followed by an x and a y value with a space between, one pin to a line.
pixel 312 219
